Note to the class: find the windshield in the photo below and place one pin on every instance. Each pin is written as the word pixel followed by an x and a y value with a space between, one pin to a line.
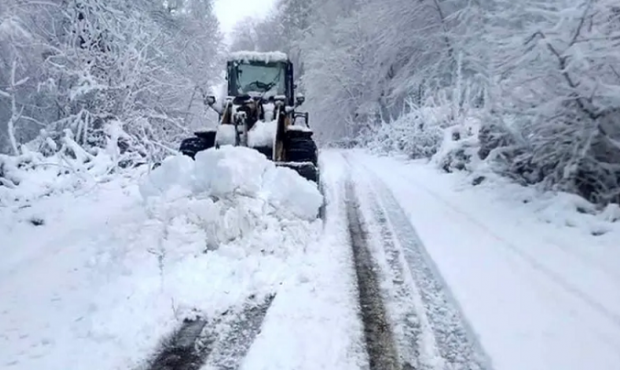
pixel 260 78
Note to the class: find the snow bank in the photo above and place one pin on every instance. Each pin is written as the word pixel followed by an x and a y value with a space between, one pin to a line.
pixel 442 133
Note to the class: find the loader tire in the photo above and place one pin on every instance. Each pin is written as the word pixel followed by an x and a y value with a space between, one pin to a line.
pixel 309 172
pixel 191 146
pixel 301 149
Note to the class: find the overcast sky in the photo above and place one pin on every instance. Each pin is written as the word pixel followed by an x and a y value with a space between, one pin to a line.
pixel 230 12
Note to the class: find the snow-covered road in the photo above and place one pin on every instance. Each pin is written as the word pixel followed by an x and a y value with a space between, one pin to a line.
pixel 537 280
pixel 411 269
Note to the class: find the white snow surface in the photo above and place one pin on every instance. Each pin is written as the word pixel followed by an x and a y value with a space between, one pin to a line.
pixel 263 133
pixel 270 111
pixel 535 274
pixel 122 258
pixel 116 267
pixel 299 128
pixel 225 135
pixel 255 56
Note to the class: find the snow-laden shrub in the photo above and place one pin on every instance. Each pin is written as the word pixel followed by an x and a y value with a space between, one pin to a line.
pixel 127 144
pixel 418 134
pixel 571 152
pixel 559 78
pixel 53 164
pixel 440 131
pixel 504 151
pixel 458 150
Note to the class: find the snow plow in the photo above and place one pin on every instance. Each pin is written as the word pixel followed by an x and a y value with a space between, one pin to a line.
pixel 259 112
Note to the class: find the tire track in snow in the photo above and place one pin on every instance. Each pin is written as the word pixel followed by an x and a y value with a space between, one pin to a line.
pixel 397 289
pixel 186 349
pixel 445 340
pixel 454 339
pixel 232 349
pixel 219 343
pixel 377 331
pixel 416 343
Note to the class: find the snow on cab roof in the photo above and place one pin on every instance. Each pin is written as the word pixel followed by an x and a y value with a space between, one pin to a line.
pixel 255 56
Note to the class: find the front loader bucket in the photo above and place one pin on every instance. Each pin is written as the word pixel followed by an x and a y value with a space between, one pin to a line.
pixel 307 170
pixel 310 172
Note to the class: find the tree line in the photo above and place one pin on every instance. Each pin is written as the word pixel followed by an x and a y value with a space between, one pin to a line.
pixel 540 77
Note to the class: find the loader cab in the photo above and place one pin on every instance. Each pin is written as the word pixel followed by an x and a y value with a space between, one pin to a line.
pixel 268 77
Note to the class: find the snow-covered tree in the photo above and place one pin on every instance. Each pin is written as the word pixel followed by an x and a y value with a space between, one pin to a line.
pixel 558 77
pixel 91 63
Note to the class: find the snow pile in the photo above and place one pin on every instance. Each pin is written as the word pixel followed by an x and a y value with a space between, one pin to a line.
pixel 263 133
pixel 226 135
pixel 235 172
pixel 566 210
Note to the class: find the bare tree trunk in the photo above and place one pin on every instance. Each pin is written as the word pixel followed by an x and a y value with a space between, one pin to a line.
pixel 445 29
pixel 15 114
